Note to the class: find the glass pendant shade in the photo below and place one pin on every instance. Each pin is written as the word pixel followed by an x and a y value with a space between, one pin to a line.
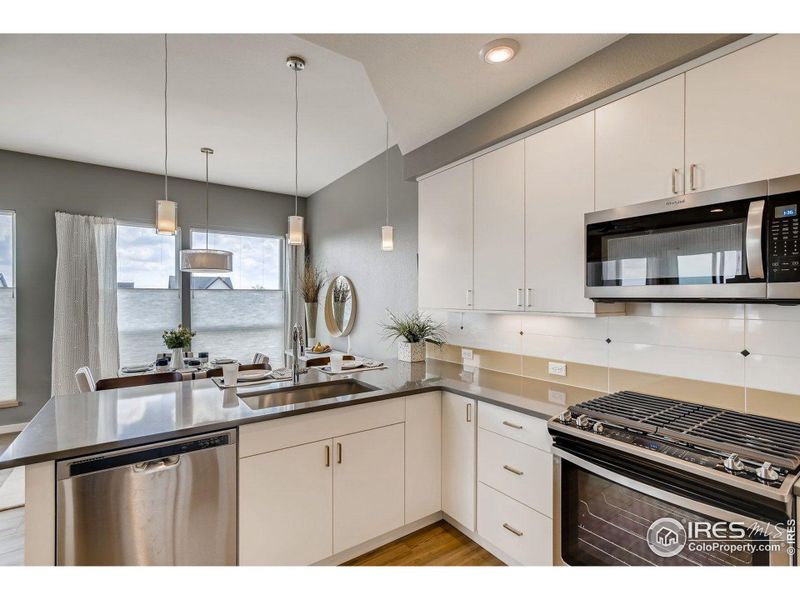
pixel 387 238
pixel 295 230
pixel 166 217
pixel 206 261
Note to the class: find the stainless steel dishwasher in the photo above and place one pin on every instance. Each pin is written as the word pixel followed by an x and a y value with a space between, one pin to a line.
pixel 171 503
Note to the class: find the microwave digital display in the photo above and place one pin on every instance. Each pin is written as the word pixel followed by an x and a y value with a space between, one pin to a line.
pixel 789 210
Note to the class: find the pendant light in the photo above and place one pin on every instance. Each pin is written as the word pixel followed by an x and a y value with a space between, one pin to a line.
pixel 166 209
pixel 296 64
pixel 206 260
pixel 387 231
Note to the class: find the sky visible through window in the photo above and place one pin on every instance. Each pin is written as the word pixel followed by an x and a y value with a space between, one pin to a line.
pixel 7 248
pixel 144 258
pixel 256 259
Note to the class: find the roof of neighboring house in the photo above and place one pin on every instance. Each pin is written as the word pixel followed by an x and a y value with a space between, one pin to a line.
pixel 125 284
pixel 204 283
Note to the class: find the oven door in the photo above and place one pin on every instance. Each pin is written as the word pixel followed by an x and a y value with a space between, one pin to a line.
pixel 700 246
pixel 602 517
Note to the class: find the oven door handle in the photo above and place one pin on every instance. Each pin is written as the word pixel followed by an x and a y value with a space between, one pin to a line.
pixel 681 501
pixel 753 237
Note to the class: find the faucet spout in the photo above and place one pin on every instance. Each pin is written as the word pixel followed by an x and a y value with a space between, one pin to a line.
pixel 297 351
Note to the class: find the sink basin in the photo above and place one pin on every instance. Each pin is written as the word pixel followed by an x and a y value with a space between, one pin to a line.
pixel 300 394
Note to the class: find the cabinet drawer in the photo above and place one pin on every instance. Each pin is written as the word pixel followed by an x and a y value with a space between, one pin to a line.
pixel 267 436
pixel 515 425
pixel 522 533
pixel 517 470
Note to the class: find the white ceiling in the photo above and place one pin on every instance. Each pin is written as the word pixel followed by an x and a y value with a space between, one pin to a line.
pixel 99 99
pixel 429 84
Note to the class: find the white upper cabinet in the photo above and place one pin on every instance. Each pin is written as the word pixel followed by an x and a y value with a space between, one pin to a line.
pixel 639 145
pixel 742 119
pixel 500 229
pixel 559 189
pixel 445 239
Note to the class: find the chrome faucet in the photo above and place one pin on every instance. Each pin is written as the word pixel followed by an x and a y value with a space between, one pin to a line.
pixel 297 351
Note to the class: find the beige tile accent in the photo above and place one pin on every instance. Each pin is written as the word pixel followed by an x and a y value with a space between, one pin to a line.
pixel 713 394
pixel 578 374
pixel 9 403
pixel 500 361
pixel 447 352
pixel 773 404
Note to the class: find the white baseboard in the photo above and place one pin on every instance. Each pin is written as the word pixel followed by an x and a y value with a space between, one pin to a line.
pixel 345 555
pixel 13 428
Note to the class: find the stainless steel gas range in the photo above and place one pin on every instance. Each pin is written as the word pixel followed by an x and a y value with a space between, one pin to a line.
pixel 645 480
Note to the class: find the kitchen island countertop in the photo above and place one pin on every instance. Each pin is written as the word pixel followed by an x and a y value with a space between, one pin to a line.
pixel 80 424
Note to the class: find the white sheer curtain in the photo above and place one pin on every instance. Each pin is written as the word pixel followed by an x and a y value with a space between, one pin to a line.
pixel 85 310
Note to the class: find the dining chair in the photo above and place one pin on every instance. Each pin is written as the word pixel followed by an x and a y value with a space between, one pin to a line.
pixel 136 380
pixel 85 380
pixel 260 359
pixel 217 372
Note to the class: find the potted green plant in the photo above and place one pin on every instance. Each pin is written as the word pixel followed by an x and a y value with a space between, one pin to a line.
pixel 312 279
pixel 178 340
pixel 412 330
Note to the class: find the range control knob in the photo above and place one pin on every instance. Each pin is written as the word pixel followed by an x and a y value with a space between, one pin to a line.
pixel 733 463
pixel 766 473
pixel 582 421
pixel 565 417
pixel 597 427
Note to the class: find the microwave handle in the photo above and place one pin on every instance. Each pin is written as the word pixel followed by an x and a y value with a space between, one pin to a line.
pixel 752 244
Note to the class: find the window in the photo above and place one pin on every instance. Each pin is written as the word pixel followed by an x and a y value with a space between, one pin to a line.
pixel 240 313
pixel 8 309
pixel 148 291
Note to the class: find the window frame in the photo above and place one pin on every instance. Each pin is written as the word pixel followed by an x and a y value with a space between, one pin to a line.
pixel 13 402
pixel 13 214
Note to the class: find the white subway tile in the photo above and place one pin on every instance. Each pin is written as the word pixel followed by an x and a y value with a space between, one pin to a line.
pixel 708 333
pixel 580 350
pixel 689 363
pixel 773 312
pixel 773 337
pixel 573 327
pixel 681 309
pixel 773 373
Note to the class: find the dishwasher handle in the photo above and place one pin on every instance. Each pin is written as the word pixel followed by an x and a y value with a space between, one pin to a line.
pixel 158 464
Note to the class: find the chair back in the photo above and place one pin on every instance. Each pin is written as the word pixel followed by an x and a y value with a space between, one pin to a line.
pixel 217 372
pixel 114 383
pixel 260 359
pixel 85 380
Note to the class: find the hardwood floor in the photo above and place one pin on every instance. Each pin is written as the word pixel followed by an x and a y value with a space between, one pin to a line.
pixel 439 545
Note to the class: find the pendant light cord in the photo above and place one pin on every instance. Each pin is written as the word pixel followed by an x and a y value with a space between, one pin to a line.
pixel 166 146
pixel 296 135
pixel 387 171
pixel 206 200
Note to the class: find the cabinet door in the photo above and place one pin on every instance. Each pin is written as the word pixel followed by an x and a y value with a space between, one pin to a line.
pixel 559 189
pixel 500 229
pixel 368 489
pixel 458 458
pixel 423 455
pixel 742 122
pixel 445 239
pixel 286 506
pixel 639 145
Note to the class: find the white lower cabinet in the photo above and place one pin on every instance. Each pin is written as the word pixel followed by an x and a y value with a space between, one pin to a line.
pixel 522 533
pixel 368 485
pixel 286 506
pixel 459 418
pixel 423 455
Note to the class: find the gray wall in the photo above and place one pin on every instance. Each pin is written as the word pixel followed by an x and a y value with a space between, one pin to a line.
pixel 344 237
pixel 624 63
pixel 36 187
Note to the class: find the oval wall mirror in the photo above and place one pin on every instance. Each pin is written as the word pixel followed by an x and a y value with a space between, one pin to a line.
pixel 340 306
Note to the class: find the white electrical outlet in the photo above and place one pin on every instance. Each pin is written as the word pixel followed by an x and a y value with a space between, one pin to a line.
pixel 555 368
pixel 556 397
pixel 466 354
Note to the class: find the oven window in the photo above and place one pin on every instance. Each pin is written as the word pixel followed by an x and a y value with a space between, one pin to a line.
pixel 687 247
pixel 605 523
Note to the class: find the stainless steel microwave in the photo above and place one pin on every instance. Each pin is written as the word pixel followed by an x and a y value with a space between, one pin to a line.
pixel 735 244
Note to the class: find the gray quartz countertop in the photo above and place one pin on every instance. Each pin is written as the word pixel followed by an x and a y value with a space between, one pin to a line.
pixel 82 424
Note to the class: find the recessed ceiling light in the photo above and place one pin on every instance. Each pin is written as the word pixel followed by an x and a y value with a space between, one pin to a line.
pixel 499 51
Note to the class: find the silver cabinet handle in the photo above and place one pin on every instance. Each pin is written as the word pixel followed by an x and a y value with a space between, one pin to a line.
pixel 327 456
pixel 510 424
pixel 513 470
pixel 339 450
pixel 519 296
pixel 469 297
pixel 516 532
pixel 675 173
pixel 752 244
pixel 469 412
pixel 693 177
pixel 529 297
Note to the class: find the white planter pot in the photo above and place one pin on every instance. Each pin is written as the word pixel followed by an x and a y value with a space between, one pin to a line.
pixel 177 358
pixel 408 352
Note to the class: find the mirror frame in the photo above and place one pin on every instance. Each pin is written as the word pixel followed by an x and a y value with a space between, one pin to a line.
pixel 330 321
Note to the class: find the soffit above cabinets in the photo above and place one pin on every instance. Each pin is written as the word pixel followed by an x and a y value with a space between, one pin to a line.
pixel 428 84
pixel 99 99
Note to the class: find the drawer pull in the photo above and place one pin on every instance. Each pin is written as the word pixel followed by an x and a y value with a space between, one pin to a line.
pixel 514 425
pixel 513 470
pixel 516 532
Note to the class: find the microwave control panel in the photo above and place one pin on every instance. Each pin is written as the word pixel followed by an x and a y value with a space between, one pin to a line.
pixel 783 230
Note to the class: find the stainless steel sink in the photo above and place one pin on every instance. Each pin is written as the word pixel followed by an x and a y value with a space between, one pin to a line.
pixel 300 394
